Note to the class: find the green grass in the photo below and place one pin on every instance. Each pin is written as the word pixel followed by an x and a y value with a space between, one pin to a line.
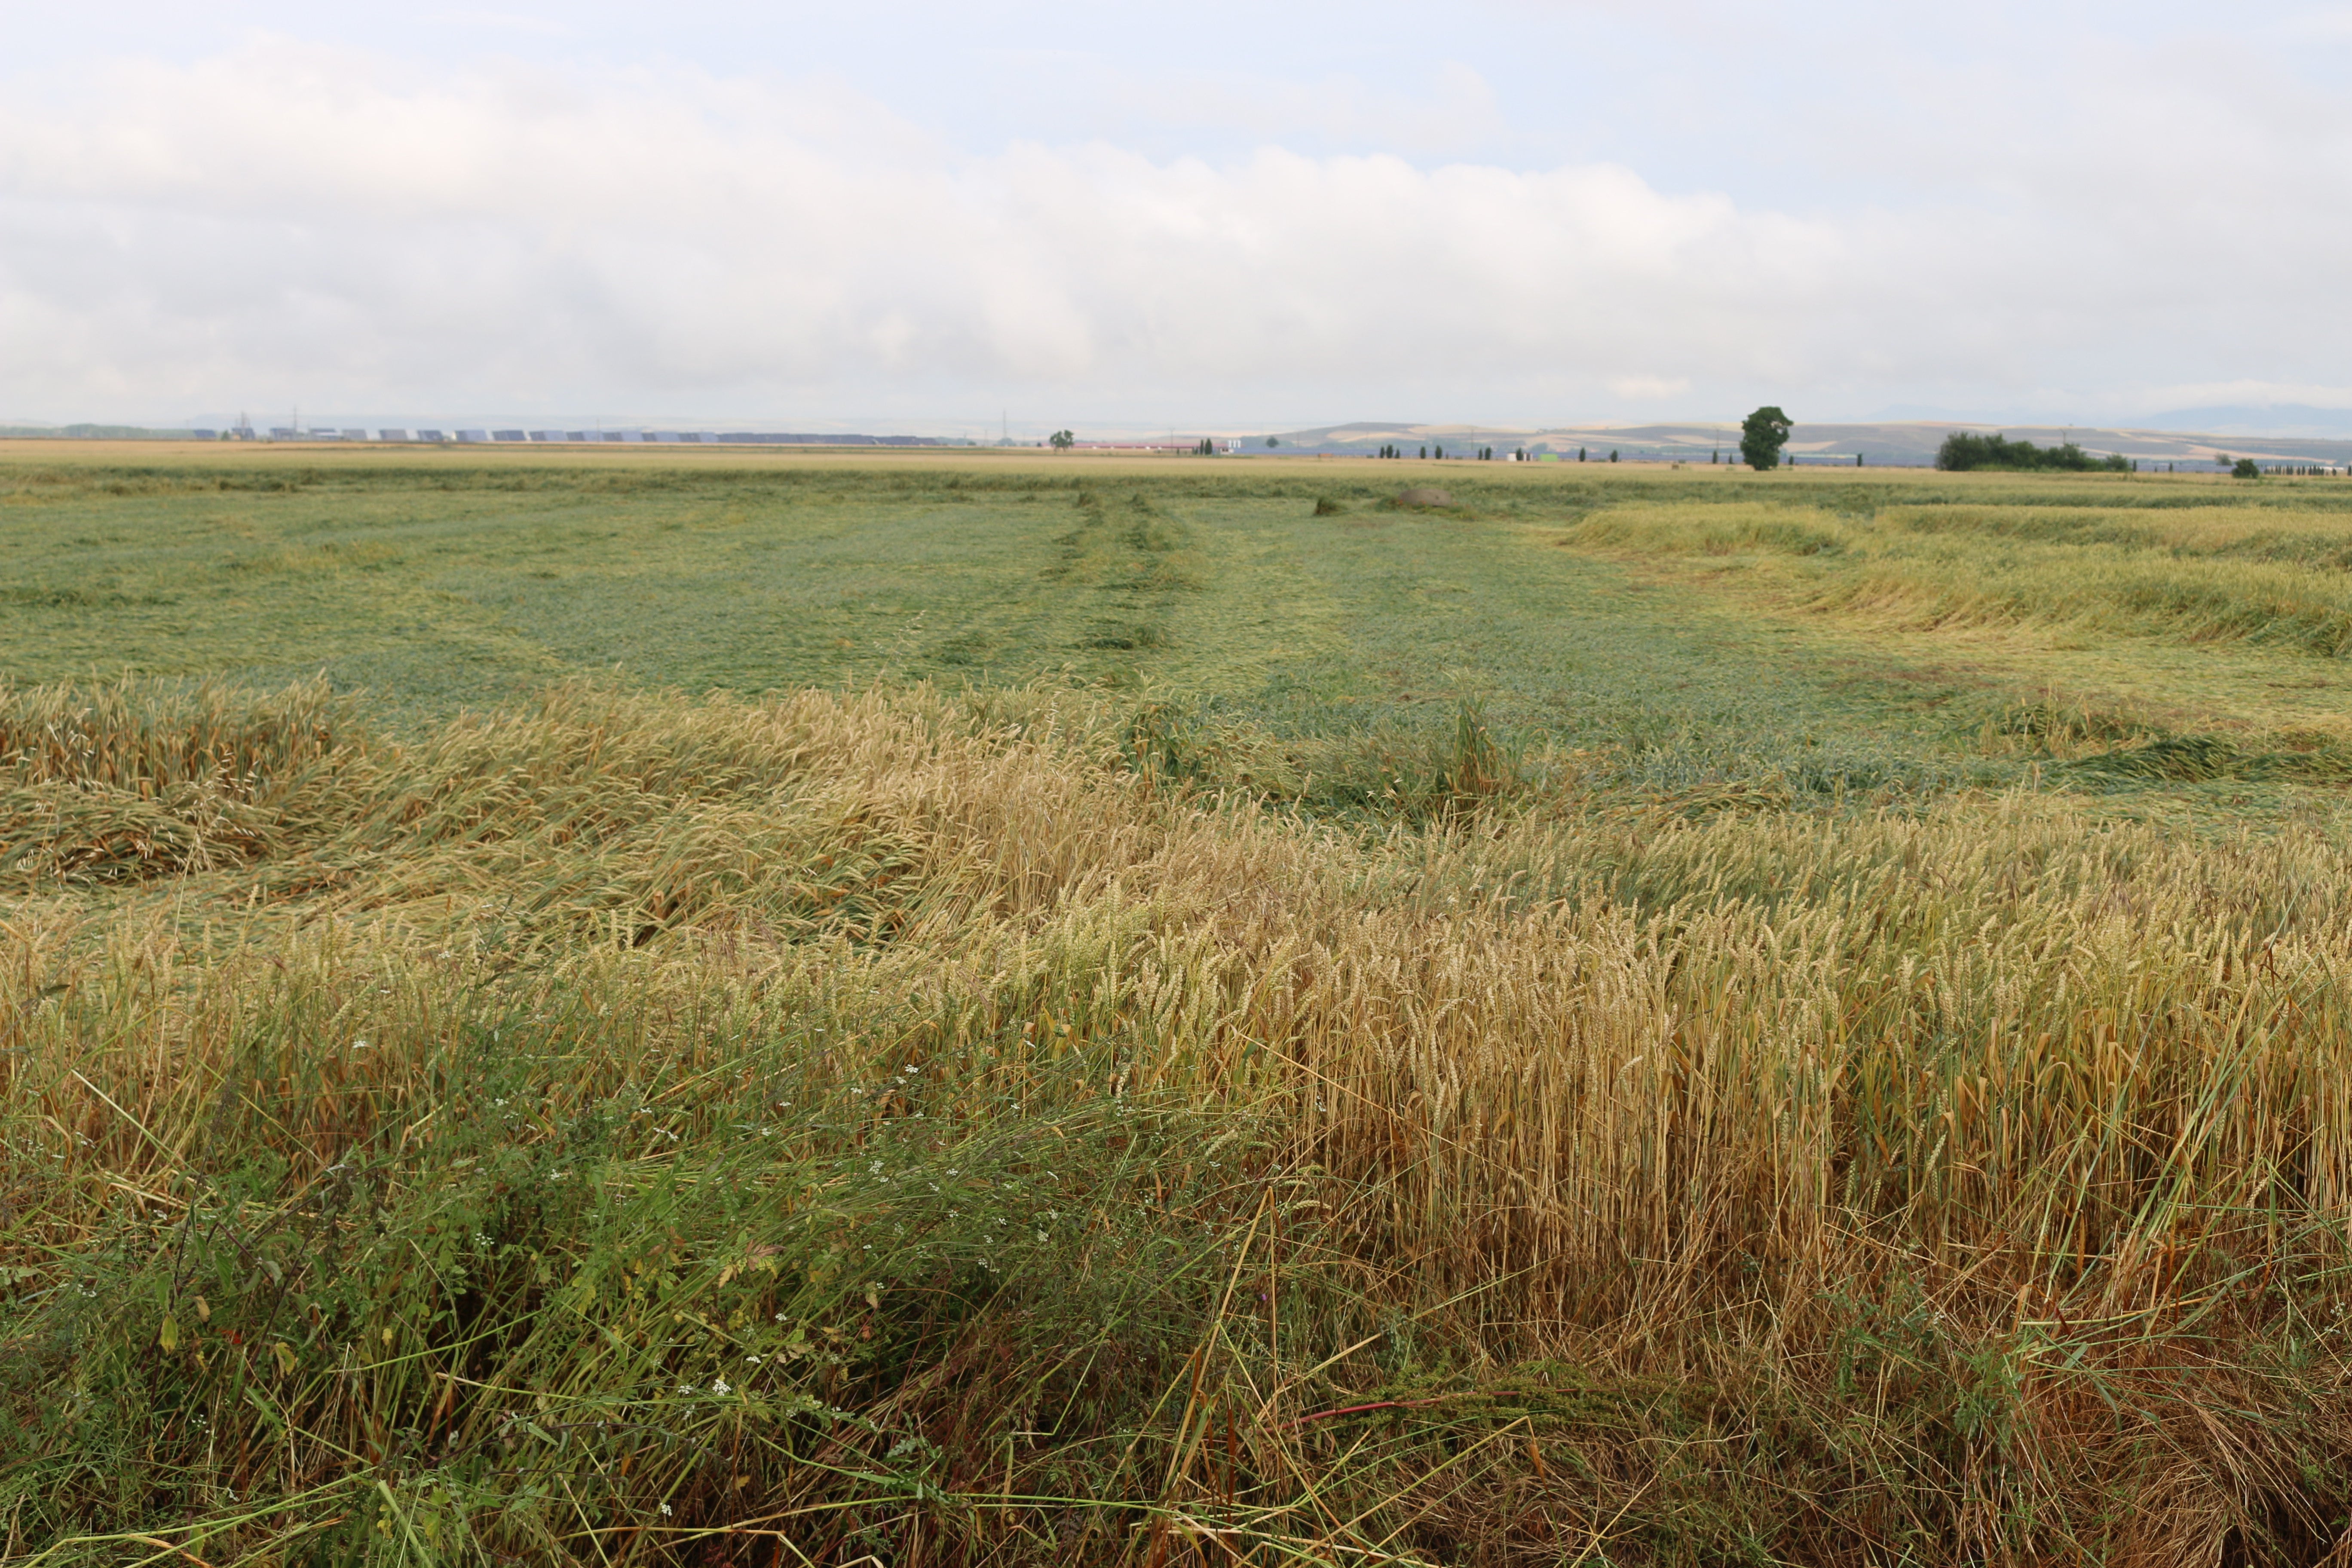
pixel 431 588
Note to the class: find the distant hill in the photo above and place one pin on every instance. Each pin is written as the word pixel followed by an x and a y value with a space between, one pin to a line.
pixel 1895 444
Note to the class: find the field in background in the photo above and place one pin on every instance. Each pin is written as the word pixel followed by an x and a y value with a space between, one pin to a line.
pixel 1694 628
pixel 1645 1017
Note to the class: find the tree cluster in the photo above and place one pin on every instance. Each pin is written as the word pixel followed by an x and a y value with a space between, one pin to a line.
pixel 1963 450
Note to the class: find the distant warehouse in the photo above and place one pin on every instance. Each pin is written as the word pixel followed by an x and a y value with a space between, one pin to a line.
pixel 765 438
pixel 592 437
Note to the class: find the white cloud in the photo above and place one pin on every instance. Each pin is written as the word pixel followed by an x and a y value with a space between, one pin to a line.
pixel 285 220
pixel 291 213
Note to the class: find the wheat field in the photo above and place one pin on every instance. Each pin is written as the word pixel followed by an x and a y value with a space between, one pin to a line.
pixel 1050 1121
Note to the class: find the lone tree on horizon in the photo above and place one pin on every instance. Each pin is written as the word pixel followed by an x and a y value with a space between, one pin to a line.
pixel 1762 435
pixel 1063 440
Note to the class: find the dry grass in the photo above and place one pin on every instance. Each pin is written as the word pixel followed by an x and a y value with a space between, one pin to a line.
pixel 405 1144
pixel 2201 575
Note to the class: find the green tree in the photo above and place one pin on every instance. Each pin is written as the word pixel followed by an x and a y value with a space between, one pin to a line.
pixel 2246 468
pixel 1762 435
pixel 1273 440
pixel 1062 440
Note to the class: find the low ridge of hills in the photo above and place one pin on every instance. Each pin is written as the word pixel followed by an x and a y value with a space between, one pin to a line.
pixel 2295 435
pixel 1895 444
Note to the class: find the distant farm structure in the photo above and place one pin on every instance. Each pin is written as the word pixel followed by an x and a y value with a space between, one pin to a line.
pixel 512 438
pixel 622 435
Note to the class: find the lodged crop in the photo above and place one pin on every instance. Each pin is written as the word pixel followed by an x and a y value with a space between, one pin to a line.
pixel 892 1127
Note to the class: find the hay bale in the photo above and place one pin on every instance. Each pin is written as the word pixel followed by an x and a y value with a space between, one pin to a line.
pixel 1424 495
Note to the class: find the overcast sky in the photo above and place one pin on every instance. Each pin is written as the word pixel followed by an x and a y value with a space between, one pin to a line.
pixel 1208 216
